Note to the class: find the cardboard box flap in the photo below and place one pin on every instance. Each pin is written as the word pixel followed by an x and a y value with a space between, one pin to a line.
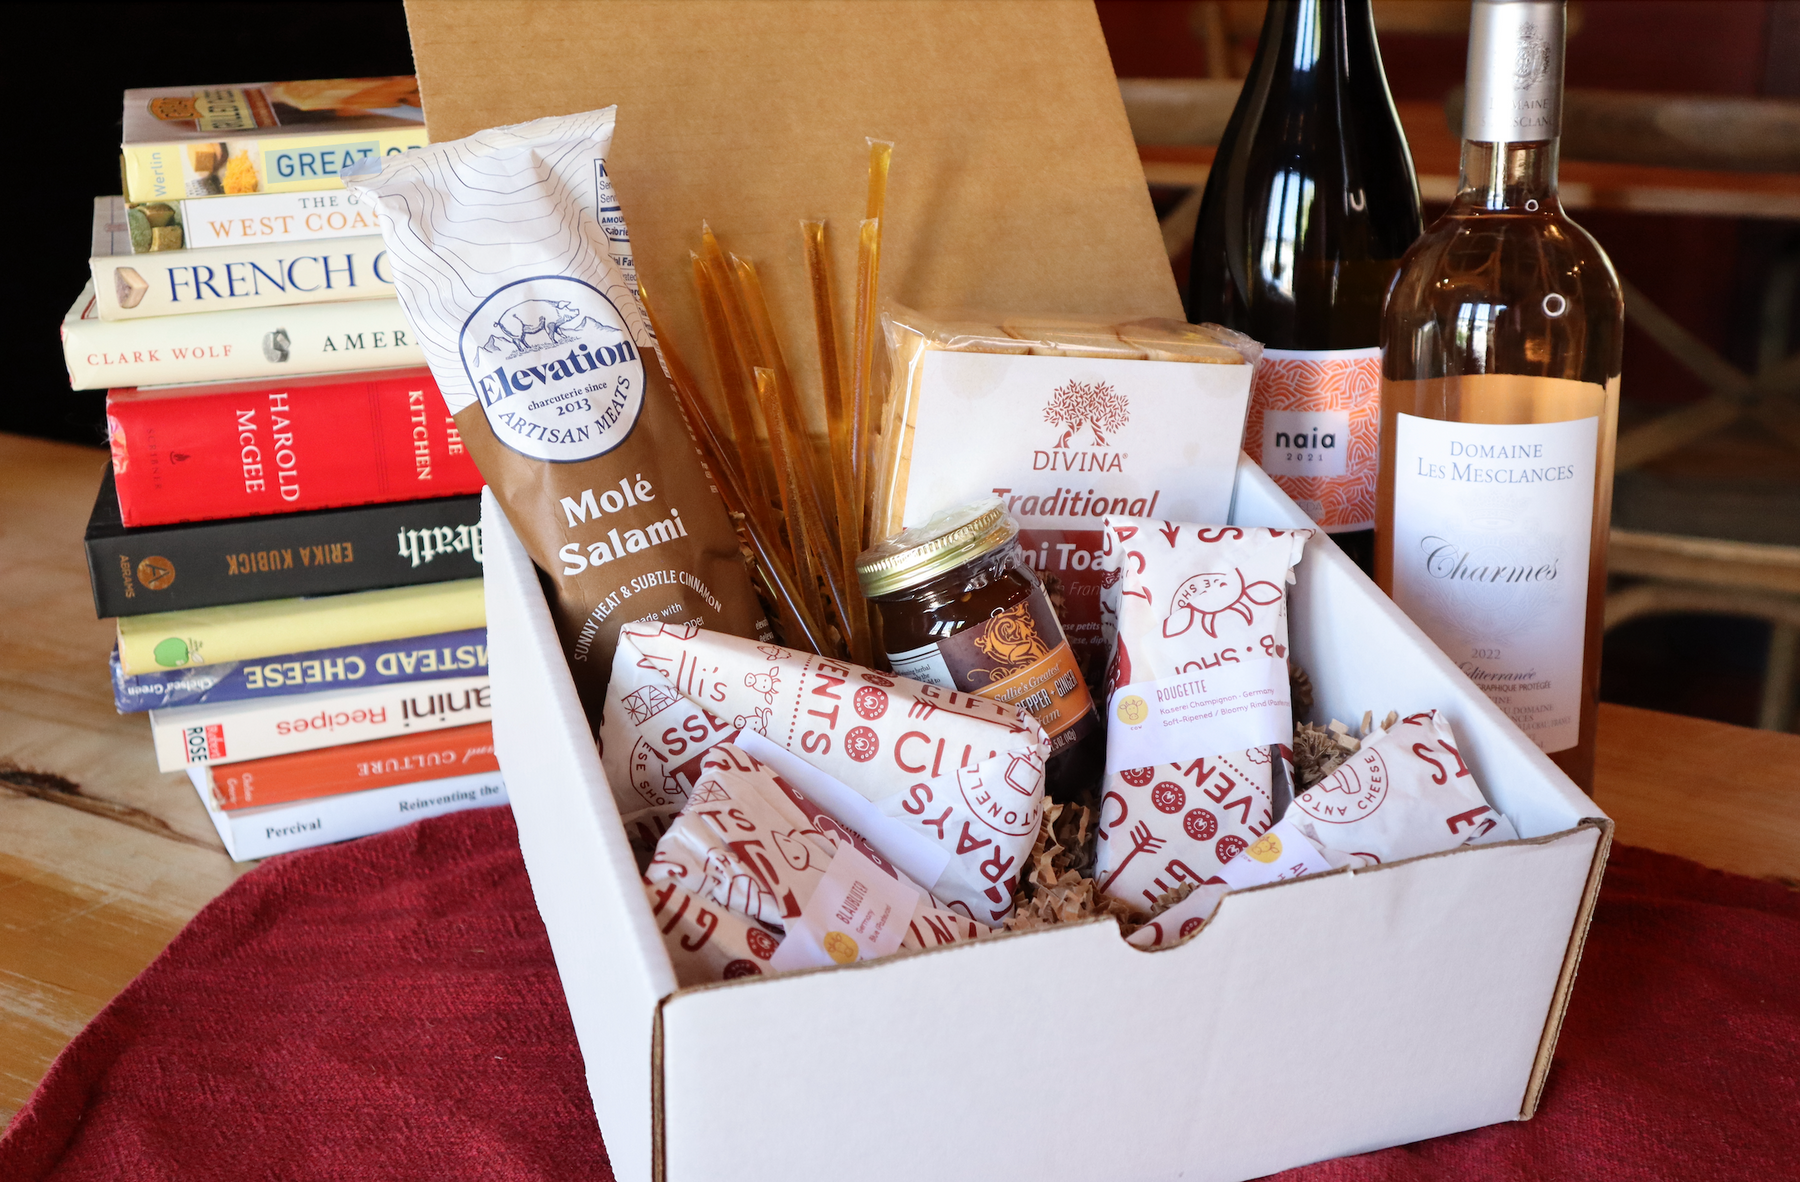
pixel 1015 182
pixel 1424 982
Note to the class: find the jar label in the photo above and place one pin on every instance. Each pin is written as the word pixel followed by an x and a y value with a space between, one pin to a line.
pixel 1493 526
pixel 1018 656
pixel 1314 425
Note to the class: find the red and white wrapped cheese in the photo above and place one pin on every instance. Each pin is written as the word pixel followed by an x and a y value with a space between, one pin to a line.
pixel 1282 853
pixel 757 862
pixel 1406 792
pixel 1196 698
pixel 963 773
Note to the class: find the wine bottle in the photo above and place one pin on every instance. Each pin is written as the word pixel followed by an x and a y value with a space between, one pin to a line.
pixel 1499 398
pixel 1310 204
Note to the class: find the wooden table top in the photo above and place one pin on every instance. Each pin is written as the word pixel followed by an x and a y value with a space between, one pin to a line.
pixel 103 859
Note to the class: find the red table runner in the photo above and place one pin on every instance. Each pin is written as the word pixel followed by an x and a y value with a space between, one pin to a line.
pixel 389 1009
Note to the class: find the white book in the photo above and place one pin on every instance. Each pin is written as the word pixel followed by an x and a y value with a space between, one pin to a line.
pixel 252 274
pixel 301 824
pixel 237 343
pixel 275 217
pixel 229 732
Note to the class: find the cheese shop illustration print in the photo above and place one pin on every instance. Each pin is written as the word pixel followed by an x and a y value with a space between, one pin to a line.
pixel 504 248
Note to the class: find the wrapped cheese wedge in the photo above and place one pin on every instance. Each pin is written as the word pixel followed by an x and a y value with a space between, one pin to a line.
pixel 1196 698
pixel 964 773
pixel 1406 792
pixel 797 887
pixel 707 942
pixel 1282 853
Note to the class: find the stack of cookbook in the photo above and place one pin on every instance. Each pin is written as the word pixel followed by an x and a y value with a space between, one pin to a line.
pixel 288 530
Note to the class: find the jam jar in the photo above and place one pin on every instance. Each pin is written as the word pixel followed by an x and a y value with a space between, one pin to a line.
pixel 962 609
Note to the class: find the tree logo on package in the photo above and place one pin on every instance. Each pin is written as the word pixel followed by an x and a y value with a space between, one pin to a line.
pixel 1095 405
pixel 554 368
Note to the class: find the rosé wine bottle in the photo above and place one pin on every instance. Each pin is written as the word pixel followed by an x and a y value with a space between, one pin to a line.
pixel 1500 393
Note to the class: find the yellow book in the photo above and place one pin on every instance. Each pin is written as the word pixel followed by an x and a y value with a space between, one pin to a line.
pixel 243 631
pixel 266 137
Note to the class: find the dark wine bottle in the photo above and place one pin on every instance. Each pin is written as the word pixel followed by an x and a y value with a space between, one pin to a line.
pixel 1310 204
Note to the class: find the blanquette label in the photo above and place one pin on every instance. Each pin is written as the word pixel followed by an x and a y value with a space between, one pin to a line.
pixel 1280 854
pixel 1232 706
pixel 1314 424
pixel 859 911
pixel 1492 533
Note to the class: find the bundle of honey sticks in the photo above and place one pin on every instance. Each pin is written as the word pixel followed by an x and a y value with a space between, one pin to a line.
pixel 802 514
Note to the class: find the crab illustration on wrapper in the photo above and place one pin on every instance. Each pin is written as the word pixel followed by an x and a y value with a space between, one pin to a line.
pixel 960 772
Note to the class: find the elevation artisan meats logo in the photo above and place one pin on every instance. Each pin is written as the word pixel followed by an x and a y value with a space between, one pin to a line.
pixel 554 367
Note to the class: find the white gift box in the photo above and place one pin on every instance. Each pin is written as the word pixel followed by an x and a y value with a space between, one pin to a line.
pixel 1331 1015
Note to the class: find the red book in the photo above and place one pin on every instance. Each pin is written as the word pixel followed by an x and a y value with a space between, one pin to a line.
pixel 249 449
pixel 379 763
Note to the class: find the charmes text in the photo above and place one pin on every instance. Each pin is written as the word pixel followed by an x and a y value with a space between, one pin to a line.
pixel 1470 471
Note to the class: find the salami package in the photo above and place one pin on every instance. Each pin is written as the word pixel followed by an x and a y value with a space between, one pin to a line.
pixel 1196 698
pixel 798 888
pixel 958 776
pixel 511 260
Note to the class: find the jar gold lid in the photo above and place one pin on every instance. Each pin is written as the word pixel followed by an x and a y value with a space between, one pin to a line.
pixel 942 544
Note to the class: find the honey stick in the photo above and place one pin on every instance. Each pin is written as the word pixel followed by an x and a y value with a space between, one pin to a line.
pixel 744 344
pixel 750 290
pixel 881 154
pixel 825 328
pixel 868 275
pixel 804 547
pixel 775 576
pixel 731 381
pixel 840 453
pixel 846 595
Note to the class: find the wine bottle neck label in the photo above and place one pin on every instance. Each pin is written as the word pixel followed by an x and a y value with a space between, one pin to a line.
pixel 1313 424
pixel 1493 528
pixel 1515 74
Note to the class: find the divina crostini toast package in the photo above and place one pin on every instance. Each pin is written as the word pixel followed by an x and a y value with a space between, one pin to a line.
pixel 533 330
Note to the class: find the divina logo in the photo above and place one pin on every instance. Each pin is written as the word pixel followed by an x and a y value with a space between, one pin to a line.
pixel 554 367
pixel 1075 405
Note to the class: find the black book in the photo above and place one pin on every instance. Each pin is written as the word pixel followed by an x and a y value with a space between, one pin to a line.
pixel 161 568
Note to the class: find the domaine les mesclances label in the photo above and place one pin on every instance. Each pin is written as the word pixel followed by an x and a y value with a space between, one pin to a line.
pixel 1492 537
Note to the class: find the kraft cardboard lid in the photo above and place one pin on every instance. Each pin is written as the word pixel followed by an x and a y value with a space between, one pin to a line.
pixel 1015 181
